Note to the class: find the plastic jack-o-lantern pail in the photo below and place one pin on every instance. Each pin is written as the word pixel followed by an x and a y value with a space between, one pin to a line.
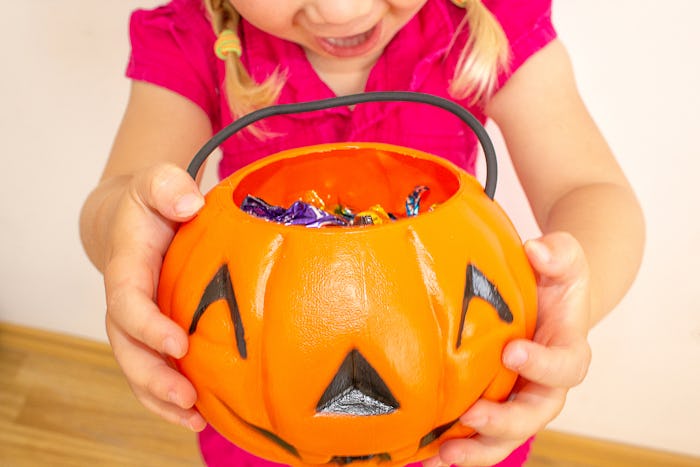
pixel 348 345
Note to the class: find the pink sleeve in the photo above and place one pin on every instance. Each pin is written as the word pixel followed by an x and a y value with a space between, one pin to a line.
pixel 172 47
pixel 528 26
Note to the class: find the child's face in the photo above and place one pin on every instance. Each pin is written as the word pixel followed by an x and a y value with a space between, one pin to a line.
pixel 340 33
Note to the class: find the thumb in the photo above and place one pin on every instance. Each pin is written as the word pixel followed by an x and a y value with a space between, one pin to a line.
pixel 557 258
pixel 169 190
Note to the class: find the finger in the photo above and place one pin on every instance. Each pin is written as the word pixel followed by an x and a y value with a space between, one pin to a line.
pixel 557 257
pixel 188 418
pixel 149 374
pixel 528 412
pixel 557 365
pixel 434 462
pixel 129 290
pixel 169 190
pixel 563 290
pixel 476 451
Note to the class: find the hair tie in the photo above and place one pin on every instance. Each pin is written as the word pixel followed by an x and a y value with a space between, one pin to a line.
pixel 227 42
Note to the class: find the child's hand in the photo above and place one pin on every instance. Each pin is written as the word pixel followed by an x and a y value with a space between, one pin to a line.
pixel 555 361
pixel 140 231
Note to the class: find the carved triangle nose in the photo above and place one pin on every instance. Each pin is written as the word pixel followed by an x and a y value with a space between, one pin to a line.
pixel 357 389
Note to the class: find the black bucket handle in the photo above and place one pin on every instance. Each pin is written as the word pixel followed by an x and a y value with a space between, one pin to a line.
pixel 353 99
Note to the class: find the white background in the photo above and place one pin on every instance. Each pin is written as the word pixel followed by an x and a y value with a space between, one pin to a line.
pixel 62 93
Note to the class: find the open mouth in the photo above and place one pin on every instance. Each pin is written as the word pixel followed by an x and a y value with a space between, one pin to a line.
pixel 350 46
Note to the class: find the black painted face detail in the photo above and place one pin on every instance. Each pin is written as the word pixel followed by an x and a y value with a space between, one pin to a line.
pixel 340 460
pixel 478 285
pixel 436 433
pixel 357 389
pixel 345 460
pixel 267 433
pixel 220 287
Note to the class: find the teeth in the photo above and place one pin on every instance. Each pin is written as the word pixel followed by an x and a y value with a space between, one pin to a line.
pixel 351 41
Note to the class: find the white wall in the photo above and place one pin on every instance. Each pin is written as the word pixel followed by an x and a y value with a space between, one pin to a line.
pixel 62 94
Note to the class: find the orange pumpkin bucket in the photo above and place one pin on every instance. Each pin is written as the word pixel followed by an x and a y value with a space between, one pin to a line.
pixel 353 345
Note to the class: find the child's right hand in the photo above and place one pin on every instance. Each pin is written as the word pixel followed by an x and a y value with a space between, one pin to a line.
pixel 139 232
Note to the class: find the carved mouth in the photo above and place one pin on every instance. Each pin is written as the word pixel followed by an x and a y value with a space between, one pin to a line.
pixel 337 460
pixel 345 460
pixel 267 433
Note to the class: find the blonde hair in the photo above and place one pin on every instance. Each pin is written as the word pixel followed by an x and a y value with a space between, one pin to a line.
pixel 484 56
pixel 243 93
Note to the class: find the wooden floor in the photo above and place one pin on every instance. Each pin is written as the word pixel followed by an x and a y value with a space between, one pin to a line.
pixel 64 402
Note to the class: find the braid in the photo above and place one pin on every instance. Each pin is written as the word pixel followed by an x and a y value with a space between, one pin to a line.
pixel 243 93
pixel 485 54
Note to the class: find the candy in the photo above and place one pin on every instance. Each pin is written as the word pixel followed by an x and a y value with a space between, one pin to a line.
pixel 344 212
pixel 310 210
pixel 260 208
pixel 312 198
pixel 374 215
pixel 413 200
pixel 299 213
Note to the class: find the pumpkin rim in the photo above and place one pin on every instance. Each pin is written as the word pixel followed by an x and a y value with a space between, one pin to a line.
pixel 220 192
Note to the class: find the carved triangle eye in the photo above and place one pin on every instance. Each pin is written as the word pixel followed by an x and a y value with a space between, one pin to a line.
pixel 478 285
pixel 221 288
pixel 357 389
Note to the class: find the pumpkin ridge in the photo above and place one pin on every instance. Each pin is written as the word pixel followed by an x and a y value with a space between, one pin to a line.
pixel 269 261
pixel 426 265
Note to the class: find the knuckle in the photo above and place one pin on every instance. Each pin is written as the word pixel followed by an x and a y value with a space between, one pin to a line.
pixel 155 385
pixel 116 299
pixel 162 181
pixel 157 407
pixel 147 185
pixel 541 370
pixel 158 180
pixel 119 303
pixel 519 428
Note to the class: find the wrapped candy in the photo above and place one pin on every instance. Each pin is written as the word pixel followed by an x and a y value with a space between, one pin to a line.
pixel 310 211
pixel 312 198
pixel 374 215
pixel 299 213
pixel 413 200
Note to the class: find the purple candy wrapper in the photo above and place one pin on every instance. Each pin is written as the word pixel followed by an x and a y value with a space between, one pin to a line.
pixel 299 213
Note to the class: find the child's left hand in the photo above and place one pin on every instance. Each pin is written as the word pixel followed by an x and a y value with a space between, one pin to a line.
pixel 554 361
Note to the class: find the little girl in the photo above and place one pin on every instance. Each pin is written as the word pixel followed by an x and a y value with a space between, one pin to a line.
pixel 198 64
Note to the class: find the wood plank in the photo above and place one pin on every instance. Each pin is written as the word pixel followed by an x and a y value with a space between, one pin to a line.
pixel 65 402
pixel 555 449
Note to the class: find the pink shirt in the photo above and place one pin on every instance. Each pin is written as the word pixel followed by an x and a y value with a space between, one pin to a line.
pixel 172 46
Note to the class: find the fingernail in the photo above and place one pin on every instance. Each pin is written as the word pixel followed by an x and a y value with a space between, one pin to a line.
pixel 540 250
pixel 188 204
pixel 172 348
pixel 186 423
pixel 515 358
